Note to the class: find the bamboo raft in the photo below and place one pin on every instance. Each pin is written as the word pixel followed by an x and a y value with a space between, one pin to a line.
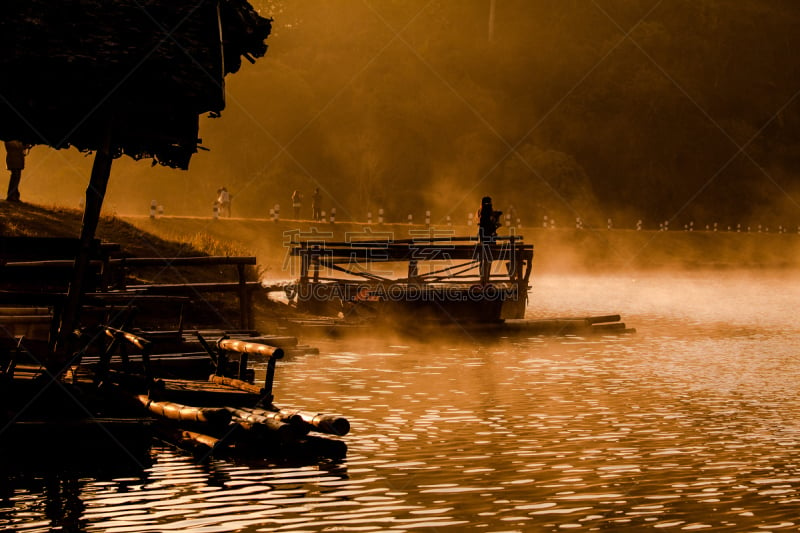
pixel 577 326
pixel 119 385
pixel 223 415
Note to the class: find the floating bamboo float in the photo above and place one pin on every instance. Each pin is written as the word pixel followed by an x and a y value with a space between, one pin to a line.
pixel 323 423
pixel 605 324
pixel 264 425
pixel 186 413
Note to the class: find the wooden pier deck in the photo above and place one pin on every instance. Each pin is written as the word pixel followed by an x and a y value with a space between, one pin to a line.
pixel 592 325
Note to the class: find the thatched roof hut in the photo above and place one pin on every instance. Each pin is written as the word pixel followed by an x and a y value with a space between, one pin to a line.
pixel 117 77
pixel 72 69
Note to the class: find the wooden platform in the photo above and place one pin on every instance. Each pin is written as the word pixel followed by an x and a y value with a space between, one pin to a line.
pixel 204 394
pixel 594 325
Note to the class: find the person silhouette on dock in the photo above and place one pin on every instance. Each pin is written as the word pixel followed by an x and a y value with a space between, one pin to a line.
pixel 488 222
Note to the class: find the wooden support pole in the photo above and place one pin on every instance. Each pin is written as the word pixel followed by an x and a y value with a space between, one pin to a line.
pixel 244 320
pixel 95 194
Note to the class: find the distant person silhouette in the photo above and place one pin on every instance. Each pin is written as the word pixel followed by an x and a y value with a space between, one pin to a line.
pixel 297 203
pixel 224 202
pixel 15 162
pixel 512 213
pixel 316 205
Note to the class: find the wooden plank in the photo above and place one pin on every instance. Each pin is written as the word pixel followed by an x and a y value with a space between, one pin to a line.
pixel 32 298
pixel 204 393
pixel 11 311
pixel 182 288
pixel 48 264
pixel 184 261
pixel 237 384
pixel 436 237
pixel 401 253
pixel 25 319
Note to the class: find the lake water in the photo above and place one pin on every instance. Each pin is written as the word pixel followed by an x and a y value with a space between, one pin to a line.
pixel 691 423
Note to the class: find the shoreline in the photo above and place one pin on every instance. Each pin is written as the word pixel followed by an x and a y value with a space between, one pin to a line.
pixel 555 250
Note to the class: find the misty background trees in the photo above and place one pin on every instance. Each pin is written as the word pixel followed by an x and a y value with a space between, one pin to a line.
pixel 682 110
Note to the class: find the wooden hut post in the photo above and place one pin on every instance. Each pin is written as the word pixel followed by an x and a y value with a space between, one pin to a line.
pixel 95 194
pixel 244 302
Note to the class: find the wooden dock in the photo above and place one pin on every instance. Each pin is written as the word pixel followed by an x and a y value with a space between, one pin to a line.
pixel 580 326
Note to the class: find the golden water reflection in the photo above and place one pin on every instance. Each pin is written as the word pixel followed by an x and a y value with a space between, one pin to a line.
pixel 689 424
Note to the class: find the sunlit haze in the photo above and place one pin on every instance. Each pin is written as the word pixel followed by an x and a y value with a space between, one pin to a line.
pixel 626 109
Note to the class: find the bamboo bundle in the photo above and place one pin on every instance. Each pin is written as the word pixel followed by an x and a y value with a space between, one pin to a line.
pixel 233 345
pixel 200 444
pixel 330 424
pixel 184 413
pixel 198 439
pixel 261 421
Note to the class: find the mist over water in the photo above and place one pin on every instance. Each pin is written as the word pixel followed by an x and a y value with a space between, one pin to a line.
pixel 688 424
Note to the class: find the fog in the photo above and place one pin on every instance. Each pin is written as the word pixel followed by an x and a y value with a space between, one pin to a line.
pixel 623 109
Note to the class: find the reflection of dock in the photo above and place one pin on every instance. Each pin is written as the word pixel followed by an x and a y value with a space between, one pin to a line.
pixel 582 326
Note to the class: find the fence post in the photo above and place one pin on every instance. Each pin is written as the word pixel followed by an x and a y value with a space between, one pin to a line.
pixel 153 205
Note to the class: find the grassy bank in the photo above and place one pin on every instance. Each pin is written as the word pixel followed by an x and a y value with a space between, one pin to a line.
pixel 31 220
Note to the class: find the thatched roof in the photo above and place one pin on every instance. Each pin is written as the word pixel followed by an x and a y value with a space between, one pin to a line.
pixel 68 68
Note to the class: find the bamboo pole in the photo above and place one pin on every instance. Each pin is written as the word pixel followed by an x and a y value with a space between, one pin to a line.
pixel 186 413
pixel 331 424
